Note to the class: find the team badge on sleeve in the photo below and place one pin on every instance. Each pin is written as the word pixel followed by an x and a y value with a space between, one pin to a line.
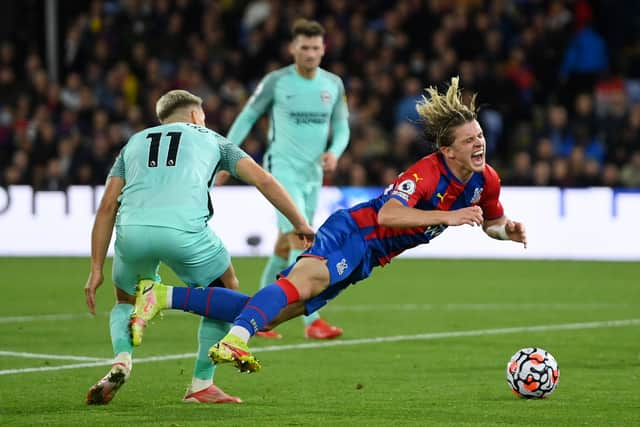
pixel 405 189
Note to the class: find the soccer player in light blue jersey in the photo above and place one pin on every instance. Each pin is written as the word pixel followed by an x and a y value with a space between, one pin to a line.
pixel 308 132
pixel 157 196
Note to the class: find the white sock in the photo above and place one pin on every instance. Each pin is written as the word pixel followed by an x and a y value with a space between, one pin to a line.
pixel 197 384
pixel 241 333
pixel 169 296
pixel 124 358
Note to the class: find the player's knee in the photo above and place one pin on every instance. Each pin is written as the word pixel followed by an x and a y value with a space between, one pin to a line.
pixel 310 277
pixel 282 251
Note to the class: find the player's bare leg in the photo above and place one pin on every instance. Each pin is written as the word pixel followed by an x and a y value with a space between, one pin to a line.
pixel 315 326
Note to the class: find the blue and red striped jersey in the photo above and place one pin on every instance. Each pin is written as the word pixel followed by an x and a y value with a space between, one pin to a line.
pixel 428 184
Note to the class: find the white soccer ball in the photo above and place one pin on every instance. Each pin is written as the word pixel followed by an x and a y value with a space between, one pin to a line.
pixel 533 373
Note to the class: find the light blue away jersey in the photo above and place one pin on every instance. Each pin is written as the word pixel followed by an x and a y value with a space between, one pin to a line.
pixel 302 112
pixel 168 171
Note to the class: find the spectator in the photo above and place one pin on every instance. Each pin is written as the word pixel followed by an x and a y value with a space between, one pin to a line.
pixel 585 59
pixel 542 174
pixel 119 56
pixel 521 173
pixel 630 174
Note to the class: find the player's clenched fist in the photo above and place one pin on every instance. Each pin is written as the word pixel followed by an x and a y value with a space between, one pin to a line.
pixel 471 215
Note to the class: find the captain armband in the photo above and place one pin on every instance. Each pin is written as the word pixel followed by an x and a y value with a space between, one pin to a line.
pixel 498 231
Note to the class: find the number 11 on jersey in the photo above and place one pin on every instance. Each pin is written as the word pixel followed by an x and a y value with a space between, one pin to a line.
pixel 155 145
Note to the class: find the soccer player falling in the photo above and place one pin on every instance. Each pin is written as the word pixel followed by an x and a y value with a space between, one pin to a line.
pixel 451 187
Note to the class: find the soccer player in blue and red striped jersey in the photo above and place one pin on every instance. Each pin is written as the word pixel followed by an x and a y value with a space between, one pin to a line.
pixel 451 187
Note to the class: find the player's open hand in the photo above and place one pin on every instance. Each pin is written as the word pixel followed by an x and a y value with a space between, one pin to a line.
pixel 471 215
pixel 306 235
pixel 516 232
pixel 93 283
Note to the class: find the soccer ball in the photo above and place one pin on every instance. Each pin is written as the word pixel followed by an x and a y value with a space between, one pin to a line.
pixel 533 373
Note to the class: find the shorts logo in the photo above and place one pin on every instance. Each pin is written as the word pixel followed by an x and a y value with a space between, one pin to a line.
pixel 325 97
pixel 341 266
pixel 477 193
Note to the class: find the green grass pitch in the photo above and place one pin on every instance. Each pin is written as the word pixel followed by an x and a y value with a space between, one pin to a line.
pixel 426 344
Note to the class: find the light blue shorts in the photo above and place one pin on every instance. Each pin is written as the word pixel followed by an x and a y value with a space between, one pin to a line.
pixel 197 258
pixel 304 193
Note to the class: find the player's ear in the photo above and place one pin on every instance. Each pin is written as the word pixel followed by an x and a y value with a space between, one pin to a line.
pixel 194 116
pixel 447 152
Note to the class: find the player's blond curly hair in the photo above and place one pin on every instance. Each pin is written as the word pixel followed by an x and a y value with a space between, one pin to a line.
pixel 441 113
pixel 173 100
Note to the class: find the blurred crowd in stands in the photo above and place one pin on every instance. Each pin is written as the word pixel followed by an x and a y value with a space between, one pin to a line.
pixel 558 82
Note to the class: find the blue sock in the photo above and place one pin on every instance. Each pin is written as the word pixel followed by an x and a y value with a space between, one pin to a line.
pixel 119 328
pixel 265 305
pixel 210 332
pixel 213 302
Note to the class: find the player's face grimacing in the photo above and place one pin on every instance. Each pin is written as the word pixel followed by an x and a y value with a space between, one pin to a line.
pixel 307 52
pixel 467 153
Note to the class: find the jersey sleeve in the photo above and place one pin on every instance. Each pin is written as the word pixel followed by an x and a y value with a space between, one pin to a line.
pixel 118 166
pixel 415 184
pixel 263 95
pixel 260 101
pixel 340 123
pixel 490 200
pixel 229 156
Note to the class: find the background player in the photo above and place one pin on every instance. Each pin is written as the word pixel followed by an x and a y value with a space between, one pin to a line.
pixel 451 187
pixel 157 194
pixel 305 103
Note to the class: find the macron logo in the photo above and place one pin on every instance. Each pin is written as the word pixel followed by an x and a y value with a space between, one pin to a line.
pixel 341 266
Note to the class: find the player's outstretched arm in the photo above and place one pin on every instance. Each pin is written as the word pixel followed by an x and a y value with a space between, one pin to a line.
pixel 101 236
pixel 506 229
pixel 395 214
pixel 251 173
